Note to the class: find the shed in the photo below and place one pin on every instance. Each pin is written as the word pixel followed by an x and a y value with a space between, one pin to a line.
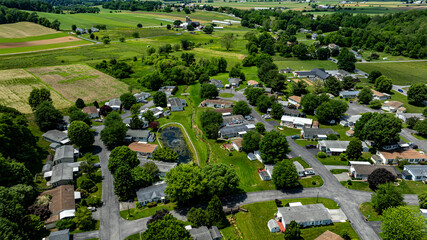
pixel 273 226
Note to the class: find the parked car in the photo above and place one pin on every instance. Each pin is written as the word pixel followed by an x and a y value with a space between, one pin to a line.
pixel 400 90
pixel 413 145
pixel 267 116
pixel 351 101
pixel 97 165
pixel 92 209
pixel 310 146
pixel 249 117
pixel 295 137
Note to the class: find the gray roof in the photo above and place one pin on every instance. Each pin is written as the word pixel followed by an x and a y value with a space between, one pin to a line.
pixel 138 133
pixel 142 95
pixel 55 135
pixel 163 166
pixel 319 131
pixel 298 166
pixel 264 174
pixel 66 151
pixel 272 223
pixel 233 119
pixel 215 82
pixel 334 143
pixel 319 72
pixel 47 167
pixel 63 171
pixel 349 93
pixel 60 235
pixel 114 102
pixel 203 233
pixel 417 170
pixel 177 102
pixel 233 129
pixel 362 169
pixel 290 111
pixel 153 191
pixel 167 88
pixel 305 213
pixel 234 80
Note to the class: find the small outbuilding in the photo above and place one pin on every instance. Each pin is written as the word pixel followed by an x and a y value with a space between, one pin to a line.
pixel 273 226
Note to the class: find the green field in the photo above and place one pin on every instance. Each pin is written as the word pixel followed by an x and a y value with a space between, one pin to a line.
pixel 33 38
pixel 43 47
pixel 125 19
pixel 253 224
pixel 404 99
pixel 338 171
pixel 402 73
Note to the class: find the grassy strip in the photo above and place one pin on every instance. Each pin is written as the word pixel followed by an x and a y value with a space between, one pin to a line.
pixel 136 236
pixel 357 185
pixel 332 160
pixel 338 171
pixel 42 47
pixel 135 213
pixel 34 38
pixel 226 95
pixel 304 142
pixel 314 181
pixel 301 161
pixel 368 210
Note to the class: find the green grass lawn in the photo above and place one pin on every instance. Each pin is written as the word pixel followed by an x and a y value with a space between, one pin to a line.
pixel 136 213
pixel 253 224
pixel 116 34
pixel 368 210
pixel 34 38
pixel 298 65
pixel 420 137
pixel 226 95
pixel 339 129
pixel 305 142
pixel 43 47
pixel 301 161
pixel 289 131
pixel 402 98
pixel 313 181
pixel 136 236
pixel 357 185
pixel 412 187
pixel 402 73
pixel 332 160
pixel 338 171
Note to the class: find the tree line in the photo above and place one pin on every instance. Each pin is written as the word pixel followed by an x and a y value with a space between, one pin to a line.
pixel 11 15
pixel 132 5
pixel 57 7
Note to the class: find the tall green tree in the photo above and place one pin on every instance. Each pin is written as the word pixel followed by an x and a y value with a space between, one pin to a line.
pixel 83 218
pixel 277 110
pixel 348 83
pixel 299 88
pixel 374 75
pixel 273 147
pixel 221 179
pixel 386 196
pixel 251 141
pixel 285 174
pixel 293 232
pixel 47 116
pixel 354 149
pixel 263 103
pixel 333 85
pixel 401 223
pixel 127 100
pixel 141 177
pixel 159 98
pixel 115 130
pixel 208 91
pixel 422 199
pixel 37 96
pixel 124 183
pixel 241 108
pixel 379 176
pixel 13 172
pixel 80 103
pixel 166 228
pixel 122 156
pixel 227 40
pixel 331 110
pixel 198 217
pixel 365 95
pixel 417 93
pixel 383 84
pixel 215 213
pixel 252 94
pixel 78 115
pixel 421 127
pixel 346 60
pixel 81 135
pixel 185 183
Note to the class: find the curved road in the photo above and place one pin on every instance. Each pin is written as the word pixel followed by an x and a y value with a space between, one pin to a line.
pixel 112 226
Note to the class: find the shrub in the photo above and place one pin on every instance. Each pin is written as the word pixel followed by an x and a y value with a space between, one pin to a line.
pixel 349 182
pixel 93 201
pixel 151 204
pixel 314 182
pixel 321 155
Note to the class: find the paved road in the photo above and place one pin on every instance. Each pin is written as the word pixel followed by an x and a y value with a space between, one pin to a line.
pixel 356 109
pixel 407 134
pixel 397 87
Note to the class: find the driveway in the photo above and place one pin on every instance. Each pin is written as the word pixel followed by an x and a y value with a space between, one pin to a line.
pixel 356 109
pixel 397 87
pixel 407 134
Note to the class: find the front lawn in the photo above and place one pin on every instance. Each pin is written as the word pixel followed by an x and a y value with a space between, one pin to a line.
pixel 253 224
pixel 357 185
pixel 314 181
pixel 137 213
pixel 412 187
pixel 332 160
pixel 368 210
pixel 95 227
pixel 305 142
pixel 419 137
pixel 301 161
pixel 339 129
pixel 226 95
pixel 289 131
pixel 338 171
pixel 395 96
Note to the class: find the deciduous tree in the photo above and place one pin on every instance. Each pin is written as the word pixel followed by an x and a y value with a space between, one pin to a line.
pixel 379 176
pixel 354 149
pixel 365 95
pixel 331 110
pixel 124 183
pixel 122 156
pixel 293 232
pixel 127 100
pixel 227 40
pixel 166 228
pixel 252 94
pixel 383 84
pixel 47 116
pixel 221 179
pixel 208 91
pixel 374 75
pixel 215 213
pixel 159 98
pixel 333 85
pixel 165 154
pixel 417 94
pixel 401 223
pixel 241 108
pixel 285 174
pixel 81 135
pixel 37 96
pixel 198 217
pixel 386 196
pixel 83 218
pixel 273 147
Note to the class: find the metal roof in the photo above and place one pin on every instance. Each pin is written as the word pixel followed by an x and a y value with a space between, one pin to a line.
pixel 318 131
pixel 55 136
pixel 138 133
pixel 417 170
pixel 63 171
pixel 66 151
pixel 233 129
pixel 305 213
pixel 60 235
pixel 153 191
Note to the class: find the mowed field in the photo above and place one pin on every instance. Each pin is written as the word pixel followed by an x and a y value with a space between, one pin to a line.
pixel 402 73
pixel 15 88
pixel 25 37
pixel 125 19
pixel 80 81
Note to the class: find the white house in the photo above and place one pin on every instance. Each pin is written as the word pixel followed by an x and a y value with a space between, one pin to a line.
pixel 153 193
pixel 142 96
pixel 258 155
pixel 379 95
pixel 237 144
pixel 305 215
pixel 296 122
pixel 363 171
pixel 348 94
pixel 348 121
pixel 273 226
pixel 300 169
pixel 405 116
pixel 176 104
pixel 335 147
pixel 319 133
pixel 411 155
pixel 415 172
pixel 64 154
pixel 263 174
pixel 391 106
pixel 115 104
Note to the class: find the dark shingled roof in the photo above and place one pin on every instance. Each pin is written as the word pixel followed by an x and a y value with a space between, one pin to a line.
pixel 60 235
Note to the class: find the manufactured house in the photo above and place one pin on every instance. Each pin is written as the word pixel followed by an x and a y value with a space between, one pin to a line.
pixel 335 147
pixel 300 168
pixel 142 96
pixel 348 121
pixel 296 122
pixel 362 171
pixel 233 120
pixel 286 70
pixel 305 215
pixel 157 112
pixel 405 116
pixel 291 112
pixel 169 90
pixel 319 133
pixel 176 104
pixel 56 137
pixel 379 95
pixel 263 174
pixel 92 111
pixel 251 156
pixel 62 174
pixel 235 130
pixel 391 106
pixel 317 73
pixel 252 83
pixel 115 104
pixel 237 144
pixel 216 103
pixel 205 233
pixel 411 155
pixel 60 235
pixel 64 154
pixel 348 94
pixel 234 82
pixel 216 82
pixel 257 155
pixel 143 149
pixel 225 111
pixel 295 100
pixel 164 167
pixel 62 204
pixel 415 172
pixel 341 74
pixel 153 193
pixel 138 135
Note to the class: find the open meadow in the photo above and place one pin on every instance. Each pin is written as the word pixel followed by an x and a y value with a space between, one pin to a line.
pixel 24 29
pixel 80 81
pixel 15 88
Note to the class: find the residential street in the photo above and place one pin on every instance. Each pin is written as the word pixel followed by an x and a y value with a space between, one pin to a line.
pixel 406 133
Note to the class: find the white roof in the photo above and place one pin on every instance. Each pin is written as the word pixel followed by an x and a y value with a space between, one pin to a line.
pixel 359 162
pixel 250 126
pixel 67 213
pixel 226 114
pixel 47 174
pixel 322 136
pixel 338 149
pixel 297 120
pixel 241 133
pixel 77 195
pixel 294 204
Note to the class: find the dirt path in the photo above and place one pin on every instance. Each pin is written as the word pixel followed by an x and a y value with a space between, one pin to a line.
pixel 39 42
